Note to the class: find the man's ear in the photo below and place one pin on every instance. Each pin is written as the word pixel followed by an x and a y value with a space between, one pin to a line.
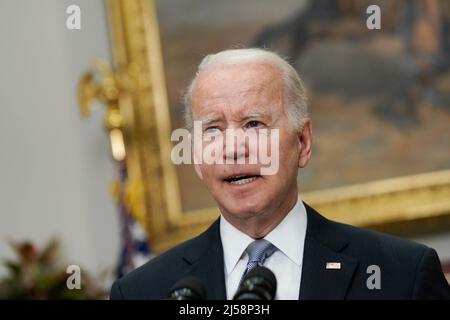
pixel 195 158
pixel 305 144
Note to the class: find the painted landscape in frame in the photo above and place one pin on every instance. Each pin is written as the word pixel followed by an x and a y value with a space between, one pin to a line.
pixel 379 99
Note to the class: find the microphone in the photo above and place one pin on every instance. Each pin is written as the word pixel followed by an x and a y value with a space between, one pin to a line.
pixel 188 288
pixel 258 284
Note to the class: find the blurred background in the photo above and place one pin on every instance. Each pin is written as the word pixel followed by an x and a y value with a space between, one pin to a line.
pixel 380 102
pixel 55 168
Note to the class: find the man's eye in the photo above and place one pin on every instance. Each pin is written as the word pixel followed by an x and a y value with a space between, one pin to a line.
pixel 211 130
pixel 254 124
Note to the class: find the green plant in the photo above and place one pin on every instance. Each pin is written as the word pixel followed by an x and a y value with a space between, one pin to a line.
pixel 38 274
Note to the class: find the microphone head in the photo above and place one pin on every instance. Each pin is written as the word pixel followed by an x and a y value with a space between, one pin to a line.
pixel 258 284
pixel 188 288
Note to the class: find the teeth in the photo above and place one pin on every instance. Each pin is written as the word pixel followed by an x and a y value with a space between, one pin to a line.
pixel 243 181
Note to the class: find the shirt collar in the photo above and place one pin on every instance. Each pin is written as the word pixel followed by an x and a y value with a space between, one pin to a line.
pixel 235 242
pixel 289 235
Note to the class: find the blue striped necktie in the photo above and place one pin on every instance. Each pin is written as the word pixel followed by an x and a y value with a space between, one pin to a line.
pixel 258 251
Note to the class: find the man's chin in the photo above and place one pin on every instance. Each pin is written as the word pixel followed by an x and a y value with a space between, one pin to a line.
pixel 243 208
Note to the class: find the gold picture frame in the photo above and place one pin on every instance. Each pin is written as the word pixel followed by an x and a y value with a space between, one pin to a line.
pixel 399 205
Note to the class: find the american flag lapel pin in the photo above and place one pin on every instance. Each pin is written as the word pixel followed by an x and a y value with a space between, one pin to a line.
pixel 333 266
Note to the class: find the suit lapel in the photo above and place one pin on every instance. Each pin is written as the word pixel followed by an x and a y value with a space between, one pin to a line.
pixel 207 263
pixel 323 244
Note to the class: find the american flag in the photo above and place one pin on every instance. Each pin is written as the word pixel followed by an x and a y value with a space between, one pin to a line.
pixel 135 249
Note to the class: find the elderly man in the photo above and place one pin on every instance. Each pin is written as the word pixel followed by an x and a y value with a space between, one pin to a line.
pixel 263 220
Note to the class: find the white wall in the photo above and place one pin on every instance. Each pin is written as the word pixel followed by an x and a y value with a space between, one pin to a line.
pixel 55 168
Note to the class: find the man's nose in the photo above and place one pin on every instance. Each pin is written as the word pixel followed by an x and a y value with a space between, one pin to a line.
pixel 236 145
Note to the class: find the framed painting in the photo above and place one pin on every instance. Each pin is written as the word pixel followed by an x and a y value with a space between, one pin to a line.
pixel 379 101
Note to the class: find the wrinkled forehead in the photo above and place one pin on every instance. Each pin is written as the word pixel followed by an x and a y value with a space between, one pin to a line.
pixel 232 83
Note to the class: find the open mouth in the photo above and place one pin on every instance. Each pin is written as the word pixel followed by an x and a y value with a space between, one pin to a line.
pixel 240 180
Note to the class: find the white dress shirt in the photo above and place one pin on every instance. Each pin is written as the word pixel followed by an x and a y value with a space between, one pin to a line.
pixel 285 263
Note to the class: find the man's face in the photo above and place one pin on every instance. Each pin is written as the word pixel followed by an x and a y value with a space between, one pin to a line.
pixel 248 96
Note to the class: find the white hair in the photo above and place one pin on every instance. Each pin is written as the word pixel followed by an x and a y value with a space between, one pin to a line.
pixel 297 107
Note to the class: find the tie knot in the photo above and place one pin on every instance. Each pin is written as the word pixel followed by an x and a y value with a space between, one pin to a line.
pixel 259 250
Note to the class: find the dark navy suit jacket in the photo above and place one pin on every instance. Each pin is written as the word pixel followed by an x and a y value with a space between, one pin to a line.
pixel 408 270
